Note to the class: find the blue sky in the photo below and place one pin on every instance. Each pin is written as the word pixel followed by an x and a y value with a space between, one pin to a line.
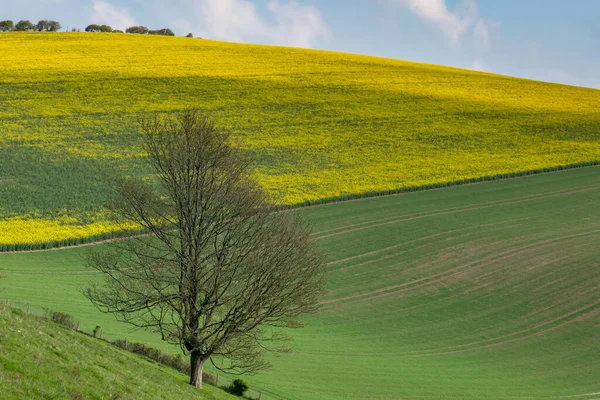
pixel 550 40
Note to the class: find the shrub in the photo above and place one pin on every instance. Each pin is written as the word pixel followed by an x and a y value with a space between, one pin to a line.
pixel 238 387
pixel 18 312
pixel 64 319
pixel 177 363
pixel 190 35
pixel 210 378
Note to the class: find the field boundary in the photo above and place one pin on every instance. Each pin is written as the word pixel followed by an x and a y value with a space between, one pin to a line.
pixel 119 235
pixel 253 393
pixel 442 185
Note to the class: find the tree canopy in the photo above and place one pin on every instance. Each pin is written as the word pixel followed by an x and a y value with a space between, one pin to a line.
pixel 6 26
pixel 24 25
pixel 221 271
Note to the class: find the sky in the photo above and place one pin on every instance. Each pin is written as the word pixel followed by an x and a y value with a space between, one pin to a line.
pixel 549 40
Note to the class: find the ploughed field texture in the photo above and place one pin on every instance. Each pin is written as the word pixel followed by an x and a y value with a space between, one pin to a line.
pixel 486 291
pixel 318 124
pixel 43 360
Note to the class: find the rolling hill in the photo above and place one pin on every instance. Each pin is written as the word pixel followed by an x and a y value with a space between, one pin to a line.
pixel 484 291
pixel 43 360
pixel 319 124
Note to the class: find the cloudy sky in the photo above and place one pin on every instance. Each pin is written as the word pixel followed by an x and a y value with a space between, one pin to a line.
pixel 550 40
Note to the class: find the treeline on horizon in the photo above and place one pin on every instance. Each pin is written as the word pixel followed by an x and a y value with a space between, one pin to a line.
pixel 55 26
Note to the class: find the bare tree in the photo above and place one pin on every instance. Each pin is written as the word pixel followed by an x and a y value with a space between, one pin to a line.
pixel 220 271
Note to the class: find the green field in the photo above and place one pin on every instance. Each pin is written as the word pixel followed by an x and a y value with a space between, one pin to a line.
pixel 319 124
pixel 43 360
pixel 486 291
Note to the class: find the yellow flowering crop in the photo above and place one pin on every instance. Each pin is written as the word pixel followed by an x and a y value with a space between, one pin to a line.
pixel 319 124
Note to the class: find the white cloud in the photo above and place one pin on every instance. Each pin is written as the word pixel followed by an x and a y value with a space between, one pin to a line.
pixel 239 20
pixel 454 24
pixel 478 65
pixel 481 34
pixel 105 13
pixel 297 25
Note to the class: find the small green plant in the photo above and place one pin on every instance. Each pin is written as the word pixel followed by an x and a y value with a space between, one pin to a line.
pixel 238 387
pixel 64 319
pixel 18 312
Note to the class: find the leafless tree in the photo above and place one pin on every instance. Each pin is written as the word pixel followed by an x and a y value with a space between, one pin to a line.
pixel 220 272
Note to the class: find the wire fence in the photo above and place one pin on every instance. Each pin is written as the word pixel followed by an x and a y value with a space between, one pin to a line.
pixel 222 381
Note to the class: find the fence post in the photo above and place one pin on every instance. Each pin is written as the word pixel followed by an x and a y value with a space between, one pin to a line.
pixel 217 381
pixel 260 395
pixel 27 312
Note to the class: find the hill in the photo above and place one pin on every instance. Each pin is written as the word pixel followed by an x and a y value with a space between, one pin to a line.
pixel 319 124
pixel 486 291
pixel 43 360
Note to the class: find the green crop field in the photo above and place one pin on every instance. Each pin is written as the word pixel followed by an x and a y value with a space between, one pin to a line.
pixel 318 124
pixel 486 291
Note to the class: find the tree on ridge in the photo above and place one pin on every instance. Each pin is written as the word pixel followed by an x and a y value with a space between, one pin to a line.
pixel 6 26
pixel 24 26
pixel 221 272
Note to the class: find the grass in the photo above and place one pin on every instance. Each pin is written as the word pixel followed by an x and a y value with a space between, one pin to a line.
pixel 319 124
pixel 43 360
pixel 485 291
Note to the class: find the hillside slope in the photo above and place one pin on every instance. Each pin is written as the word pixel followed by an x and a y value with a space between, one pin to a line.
pixel 486 291
pixel 319 124
pixel 43 360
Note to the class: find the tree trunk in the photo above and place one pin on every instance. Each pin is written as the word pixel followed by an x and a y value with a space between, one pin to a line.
pixel 197 363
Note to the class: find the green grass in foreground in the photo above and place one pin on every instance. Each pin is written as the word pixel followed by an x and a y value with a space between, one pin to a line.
pixel 487 291
pixel 43 360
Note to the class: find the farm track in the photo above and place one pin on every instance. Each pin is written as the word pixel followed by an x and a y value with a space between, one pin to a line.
pixel 438 277
pixel 579 314
pixel 493 299
pixel 459 208
pixel 452 210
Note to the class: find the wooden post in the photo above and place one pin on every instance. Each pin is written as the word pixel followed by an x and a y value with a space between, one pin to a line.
pixel 27 312
pixel 217 381
pixel 259 395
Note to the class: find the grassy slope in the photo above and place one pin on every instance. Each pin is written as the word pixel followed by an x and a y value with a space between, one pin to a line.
pixel 319 124
pixel 43 360
pixel 481 291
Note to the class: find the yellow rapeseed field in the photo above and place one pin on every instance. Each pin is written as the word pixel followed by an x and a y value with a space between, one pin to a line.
pixel 319 124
